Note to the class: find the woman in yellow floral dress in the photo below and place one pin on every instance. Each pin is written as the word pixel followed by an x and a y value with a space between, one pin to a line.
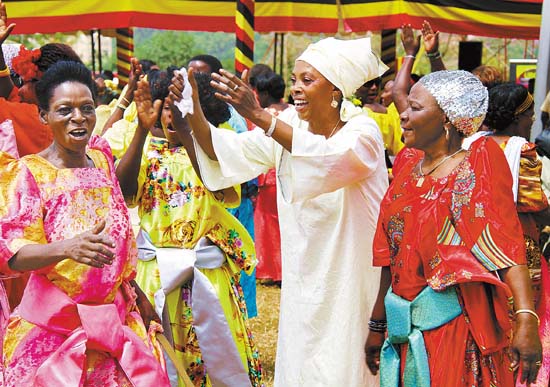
pixel 182 221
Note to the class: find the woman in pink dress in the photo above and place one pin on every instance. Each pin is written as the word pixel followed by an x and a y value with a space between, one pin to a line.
pixel 64 220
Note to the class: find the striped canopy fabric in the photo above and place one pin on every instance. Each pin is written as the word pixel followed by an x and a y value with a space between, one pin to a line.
pixel 497 18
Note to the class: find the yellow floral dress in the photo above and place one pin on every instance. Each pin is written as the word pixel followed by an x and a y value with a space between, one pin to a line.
pixel 176 210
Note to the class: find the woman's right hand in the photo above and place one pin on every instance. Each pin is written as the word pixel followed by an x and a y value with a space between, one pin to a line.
pixel 175 94
pixel 5 29
pixel 93 248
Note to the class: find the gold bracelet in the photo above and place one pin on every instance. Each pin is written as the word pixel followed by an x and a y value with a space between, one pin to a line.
pixel 531 312
pixel 128 102
pixel 5 72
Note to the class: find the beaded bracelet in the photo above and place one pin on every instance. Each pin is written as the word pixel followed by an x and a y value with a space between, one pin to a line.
pixel 121 106
pixel 433 55
pixel 378 326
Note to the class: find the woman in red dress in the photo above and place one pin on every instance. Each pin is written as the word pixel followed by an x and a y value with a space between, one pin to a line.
pixel 449 245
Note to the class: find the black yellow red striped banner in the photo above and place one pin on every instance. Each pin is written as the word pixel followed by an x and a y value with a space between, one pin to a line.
pixel 496 18
pixel 388 55
pixel 500 18
pixel 244 47
pixel 124 53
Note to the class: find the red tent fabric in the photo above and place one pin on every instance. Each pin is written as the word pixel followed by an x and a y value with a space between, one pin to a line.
pixel 502 18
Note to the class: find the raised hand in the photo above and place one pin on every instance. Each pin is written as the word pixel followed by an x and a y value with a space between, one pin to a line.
pixel 93 248
pixel 175 94
pixel 147 110
pixel 431 38
pixel 5 29
pixel 237 92
pixel 411 44
pixel 135 73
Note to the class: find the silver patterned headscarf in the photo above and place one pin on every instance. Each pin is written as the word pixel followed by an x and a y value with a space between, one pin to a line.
pixel 461 96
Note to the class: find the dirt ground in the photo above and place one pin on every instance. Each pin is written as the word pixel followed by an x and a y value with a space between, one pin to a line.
pixel 264 327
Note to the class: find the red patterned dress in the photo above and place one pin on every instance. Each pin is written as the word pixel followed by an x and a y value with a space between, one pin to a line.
pixel 456 231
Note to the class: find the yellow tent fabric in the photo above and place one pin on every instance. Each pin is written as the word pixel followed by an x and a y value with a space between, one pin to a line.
pixel 498 18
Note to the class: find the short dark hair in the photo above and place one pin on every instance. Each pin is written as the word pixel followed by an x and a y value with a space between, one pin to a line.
pixel 52 53
pixel 272 83
pixel 158 85
pixel 159 81
pixel 504 99
pixel 146 65
pixel 215 110
pixel 58 73
pixel 257 69
pixel 212 62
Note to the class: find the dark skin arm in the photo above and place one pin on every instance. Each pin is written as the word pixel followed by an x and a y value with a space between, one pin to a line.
pixel 128 168
pixel 118 113
pixel 146 309
pixel 431 45
pixel 376 339
pixel 245 102
pixel 182 126
pixel 93 248
pixel 402 82
pixel 526 347
pixel 6 84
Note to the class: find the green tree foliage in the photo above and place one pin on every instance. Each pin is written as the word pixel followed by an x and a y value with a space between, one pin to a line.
pixel 164 47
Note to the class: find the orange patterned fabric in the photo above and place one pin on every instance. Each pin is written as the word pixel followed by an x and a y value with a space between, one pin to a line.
pixel 31 134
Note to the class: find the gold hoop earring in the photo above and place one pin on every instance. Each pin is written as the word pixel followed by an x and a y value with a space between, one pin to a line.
pixel 334 103
pixel 446 133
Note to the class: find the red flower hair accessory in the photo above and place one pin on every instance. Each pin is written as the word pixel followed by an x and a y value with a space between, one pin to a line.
pixel 24 64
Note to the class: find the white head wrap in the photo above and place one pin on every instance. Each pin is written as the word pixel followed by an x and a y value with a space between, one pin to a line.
pixel 347 64
pixel 462 97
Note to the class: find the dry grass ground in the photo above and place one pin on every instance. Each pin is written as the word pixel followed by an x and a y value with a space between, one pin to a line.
pixel 264 327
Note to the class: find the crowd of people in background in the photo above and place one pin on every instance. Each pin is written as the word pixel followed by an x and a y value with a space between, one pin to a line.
pixel 406 221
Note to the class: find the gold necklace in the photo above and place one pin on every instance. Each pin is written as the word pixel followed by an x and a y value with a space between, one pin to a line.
pixel 335 126
pixel 422 174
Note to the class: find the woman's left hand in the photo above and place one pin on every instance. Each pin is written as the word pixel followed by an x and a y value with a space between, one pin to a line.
pixel 372 350
pixel 526 348
pixel 236 92
pixel 147 110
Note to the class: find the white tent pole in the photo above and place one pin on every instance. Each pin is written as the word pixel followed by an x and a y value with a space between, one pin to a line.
pixel 542 82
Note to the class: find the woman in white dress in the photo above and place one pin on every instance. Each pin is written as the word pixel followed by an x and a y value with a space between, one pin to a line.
pixel 331 176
